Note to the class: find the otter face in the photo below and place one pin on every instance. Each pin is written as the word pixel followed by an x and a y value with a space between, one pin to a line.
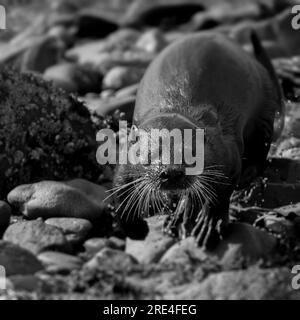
pixel 165 175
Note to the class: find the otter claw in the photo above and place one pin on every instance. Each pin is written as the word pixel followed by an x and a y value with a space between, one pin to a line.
pixel 207 230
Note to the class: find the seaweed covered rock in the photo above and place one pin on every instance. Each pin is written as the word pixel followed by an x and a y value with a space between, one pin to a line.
pixel 44 133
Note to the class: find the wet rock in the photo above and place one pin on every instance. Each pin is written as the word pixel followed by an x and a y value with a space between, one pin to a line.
pixel 278 225
pixel 225 14
pixel 94 245
pixel 30 283
pixel 73 78
pixel 57 262
pixel 152 41
pixel 276 30
pixel 109 106
pixel 246 215
pixel 269 195
pixel 288 70
pixel 76 198
pixel 36 236
pixel 63 33
pixel 243 244
pixel 110 259
pixel 5 213
pixel 287 144
pixel 183 252
pixel 292 127
pixel 129 91
pixel 43 55
pixel 120 77
pixel 154 246
pixel 161 13
pixel 292 154
pixel 75 230
pixel 93 23
pixel 289 210
pixel 44 134
pixel 104 52
pixel 18 261
pixel 282 170
pixel 251 284
pixel 116 243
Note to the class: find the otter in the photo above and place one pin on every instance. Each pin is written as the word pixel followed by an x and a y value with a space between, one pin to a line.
pixel 202 81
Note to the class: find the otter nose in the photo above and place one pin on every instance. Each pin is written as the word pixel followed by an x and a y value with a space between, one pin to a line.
pixel 172 175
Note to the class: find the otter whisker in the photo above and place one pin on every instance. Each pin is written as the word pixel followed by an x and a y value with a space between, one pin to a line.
pixel 139 198
pixel 131 197
pixel 208 188
pixel 119 188
pixel 135 193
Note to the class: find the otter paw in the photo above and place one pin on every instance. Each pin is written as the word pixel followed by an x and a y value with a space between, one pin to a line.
pixel 208 229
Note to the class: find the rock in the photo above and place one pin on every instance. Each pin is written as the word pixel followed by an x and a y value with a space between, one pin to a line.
pixel 120 77
pixel 18 261
pixel 269 195
pixel 225 14
pixel 161 12
pixel 43 55
pixel 278 225
pixel 242 244
pixel 44 134
pixel 63 33
pixel 94 245
pixel 75 230
pixel 30 283
pixel 292 154
pixel 74 78
pixel 36 236
pixel 246 215
pixel 104 52
pixel 110 259
pixel 287 144
pixel 57 262
pixel 5 213
pixel 116 243
pixel 73 199
pixel 250 284
pixel 282 170
pixel 287 70
pixel 289 210
pixel 152 41
pixel 276 29
pixel 103 107
pixel 94 23
pixel 183 252
pixel 154 246
pixel 129 91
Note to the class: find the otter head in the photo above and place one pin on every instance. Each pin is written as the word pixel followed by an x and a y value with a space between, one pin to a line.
pixel 177 159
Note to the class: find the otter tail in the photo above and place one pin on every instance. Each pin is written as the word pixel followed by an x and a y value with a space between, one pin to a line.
pixel 263 58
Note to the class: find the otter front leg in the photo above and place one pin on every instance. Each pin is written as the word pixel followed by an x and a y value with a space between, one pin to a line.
pixel 211 224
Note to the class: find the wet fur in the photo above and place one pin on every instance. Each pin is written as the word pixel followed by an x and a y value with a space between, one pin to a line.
pixel 212 82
